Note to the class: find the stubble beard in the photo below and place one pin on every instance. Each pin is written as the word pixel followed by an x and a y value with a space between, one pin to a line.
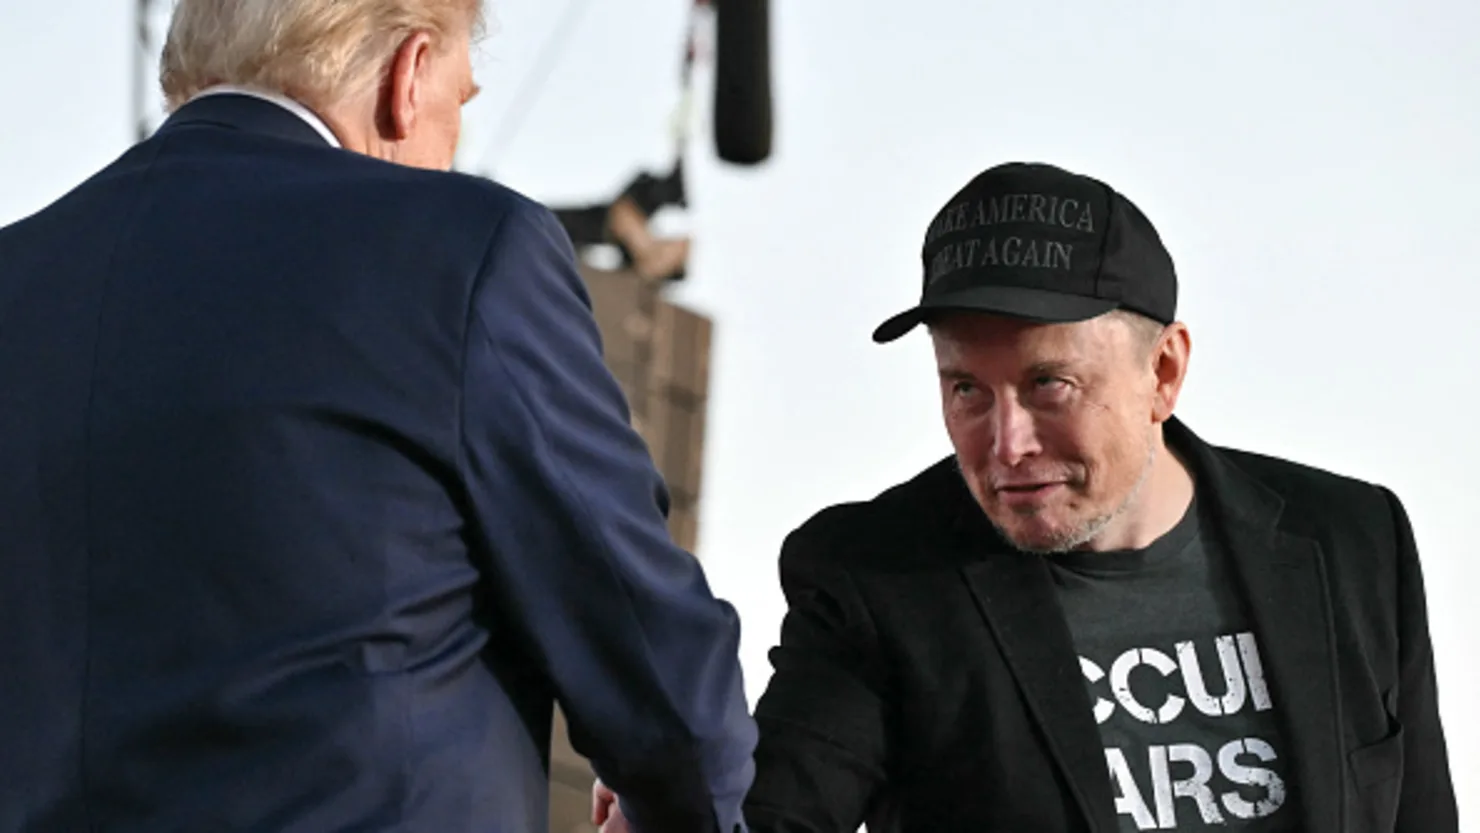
pixel 1074 537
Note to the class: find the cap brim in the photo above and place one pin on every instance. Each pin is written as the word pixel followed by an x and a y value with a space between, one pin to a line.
pixel 1015 302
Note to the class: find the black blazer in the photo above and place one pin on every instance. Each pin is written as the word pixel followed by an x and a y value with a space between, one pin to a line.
pixel 926 678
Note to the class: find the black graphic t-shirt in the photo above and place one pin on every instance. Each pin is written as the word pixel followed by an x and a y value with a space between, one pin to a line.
pixel 1177 686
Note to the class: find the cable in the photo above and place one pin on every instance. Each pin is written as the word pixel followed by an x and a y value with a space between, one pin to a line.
pixel 534 83
pixel 701 16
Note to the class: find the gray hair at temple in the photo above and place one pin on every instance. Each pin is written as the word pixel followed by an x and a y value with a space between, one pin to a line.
pixel 315 51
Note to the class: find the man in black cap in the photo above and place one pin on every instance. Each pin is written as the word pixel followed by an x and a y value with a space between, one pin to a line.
pixel 1088 619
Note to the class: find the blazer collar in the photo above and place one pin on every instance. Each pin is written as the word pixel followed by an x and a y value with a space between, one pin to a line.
pixel 1283 583
pixel 1282 573
pixel 248 113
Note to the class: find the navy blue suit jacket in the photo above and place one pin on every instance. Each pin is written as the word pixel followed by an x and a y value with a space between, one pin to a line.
pixel 315 494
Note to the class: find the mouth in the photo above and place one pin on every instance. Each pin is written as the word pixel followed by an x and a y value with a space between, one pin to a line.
pixel 1020 493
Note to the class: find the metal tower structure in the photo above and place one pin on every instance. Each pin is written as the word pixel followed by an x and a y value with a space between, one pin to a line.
pixel 151 20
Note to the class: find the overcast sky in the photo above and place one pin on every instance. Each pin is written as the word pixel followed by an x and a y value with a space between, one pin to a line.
pixel 1311 165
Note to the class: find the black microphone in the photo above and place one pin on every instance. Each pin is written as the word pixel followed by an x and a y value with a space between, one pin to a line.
pixel 742 80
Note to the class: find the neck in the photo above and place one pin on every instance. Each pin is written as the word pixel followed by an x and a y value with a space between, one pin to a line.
pixel 343 120
pixel 356 121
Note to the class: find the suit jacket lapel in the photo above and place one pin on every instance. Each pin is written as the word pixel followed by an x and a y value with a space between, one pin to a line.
pixel 1015 595
pixel 1285 588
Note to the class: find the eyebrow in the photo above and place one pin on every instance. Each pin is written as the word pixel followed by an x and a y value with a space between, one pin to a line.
pixel 1050 368
pixel 1045 368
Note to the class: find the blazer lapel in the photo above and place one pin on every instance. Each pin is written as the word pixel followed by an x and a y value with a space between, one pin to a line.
pixel 1284 583
pixel 1015 594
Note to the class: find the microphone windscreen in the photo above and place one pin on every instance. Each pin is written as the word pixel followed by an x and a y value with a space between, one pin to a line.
pixel 742 81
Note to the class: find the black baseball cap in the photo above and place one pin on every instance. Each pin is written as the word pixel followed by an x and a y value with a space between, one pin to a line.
pixel 1037 242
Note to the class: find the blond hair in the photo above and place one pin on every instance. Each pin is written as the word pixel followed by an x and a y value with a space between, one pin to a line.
pixel 316 51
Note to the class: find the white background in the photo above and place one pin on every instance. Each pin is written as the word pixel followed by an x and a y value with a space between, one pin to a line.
pixel 1312 166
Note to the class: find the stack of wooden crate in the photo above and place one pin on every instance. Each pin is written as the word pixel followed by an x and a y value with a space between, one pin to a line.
pixel 659 352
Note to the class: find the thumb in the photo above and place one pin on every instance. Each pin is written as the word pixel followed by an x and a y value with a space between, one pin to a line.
pixel 602 799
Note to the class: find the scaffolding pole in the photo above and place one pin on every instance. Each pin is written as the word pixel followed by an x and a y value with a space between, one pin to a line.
pixel 151 18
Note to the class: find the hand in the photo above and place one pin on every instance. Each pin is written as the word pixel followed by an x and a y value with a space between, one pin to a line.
pixel 606 813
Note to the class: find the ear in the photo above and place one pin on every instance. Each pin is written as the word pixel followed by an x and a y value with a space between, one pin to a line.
pixel 1169 365
pixel 402 94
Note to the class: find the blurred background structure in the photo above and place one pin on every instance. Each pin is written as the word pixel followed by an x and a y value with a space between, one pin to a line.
pixel 1312 166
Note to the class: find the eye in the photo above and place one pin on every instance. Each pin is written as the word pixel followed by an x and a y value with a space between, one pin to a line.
pixel 963 388
pixel 1051 390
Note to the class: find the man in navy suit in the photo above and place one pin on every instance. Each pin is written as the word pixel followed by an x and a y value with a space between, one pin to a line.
pixel 315 494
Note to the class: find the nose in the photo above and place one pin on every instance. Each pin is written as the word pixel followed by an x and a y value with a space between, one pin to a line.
pixel 1015 435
